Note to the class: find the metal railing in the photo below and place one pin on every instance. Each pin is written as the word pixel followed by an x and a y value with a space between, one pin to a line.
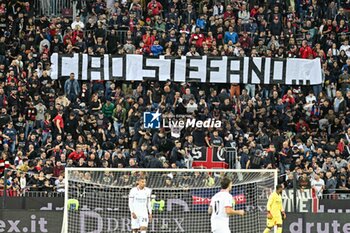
pixel 29 190
pixel 52 7
pixel 29 193
pixel 121 34
pixel 43 194
pixel 231 157
pixel 337 196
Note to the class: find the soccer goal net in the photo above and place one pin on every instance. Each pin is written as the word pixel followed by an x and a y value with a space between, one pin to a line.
pixel 97 200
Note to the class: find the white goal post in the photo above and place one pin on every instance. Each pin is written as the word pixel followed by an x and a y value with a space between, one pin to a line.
pixel 96 200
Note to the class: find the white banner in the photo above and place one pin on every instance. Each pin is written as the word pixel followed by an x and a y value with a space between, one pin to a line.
pixel 306 200
pixel 191 69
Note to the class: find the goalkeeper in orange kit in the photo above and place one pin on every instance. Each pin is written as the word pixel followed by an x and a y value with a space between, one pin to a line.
pixel 275 212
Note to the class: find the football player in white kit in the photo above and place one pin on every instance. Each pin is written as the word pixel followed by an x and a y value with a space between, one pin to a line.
pixel 221 207
pixel 140 206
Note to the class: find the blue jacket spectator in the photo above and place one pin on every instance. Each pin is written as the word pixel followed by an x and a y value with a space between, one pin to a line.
pixel 201 23
pixel 156 49
pixel 230 36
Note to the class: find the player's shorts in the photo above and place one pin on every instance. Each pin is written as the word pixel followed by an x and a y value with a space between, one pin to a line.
pixel 221 230
pixel 274 221
pixel 140 221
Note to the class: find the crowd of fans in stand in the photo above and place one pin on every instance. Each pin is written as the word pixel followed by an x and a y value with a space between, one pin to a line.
pixel 47 124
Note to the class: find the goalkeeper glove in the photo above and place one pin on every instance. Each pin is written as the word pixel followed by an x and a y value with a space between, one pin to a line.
pixel 284 215
pixel 269 215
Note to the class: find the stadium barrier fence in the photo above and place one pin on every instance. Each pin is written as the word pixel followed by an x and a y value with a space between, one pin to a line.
pixel 56 203
pixel 121 34
pixel 54 7
pixel 50 221
pixel 312 223
pixel 337 195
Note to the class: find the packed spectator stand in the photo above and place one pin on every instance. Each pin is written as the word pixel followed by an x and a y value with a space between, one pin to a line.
pixel 47 124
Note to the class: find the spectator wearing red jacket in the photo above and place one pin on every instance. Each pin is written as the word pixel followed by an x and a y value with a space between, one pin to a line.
pixel 306 51
pixel 77 32
pixel 58 122
pixel 154 8
pixel 76 155
pixel 68 36
pixel 148 39
pixel 198 37
pixel 289 98
pixel 254 11
pixel 4 164
pixel 245 41
pixel 302 126
pixel 144 50
pixel 229 14
pixel 58 169
pixel 210 39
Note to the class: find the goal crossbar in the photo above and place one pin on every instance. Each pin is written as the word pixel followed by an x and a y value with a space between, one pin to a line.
pixel 169 170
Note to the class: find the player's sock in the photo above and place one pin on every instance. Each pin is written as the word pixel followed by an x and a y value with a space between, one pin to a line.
pixel 143 231
pixel 267 230
pixel 279 229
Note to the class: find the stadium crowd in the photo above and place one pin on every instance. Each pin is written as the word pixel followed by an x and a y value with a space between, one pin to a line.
pixel 47 125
